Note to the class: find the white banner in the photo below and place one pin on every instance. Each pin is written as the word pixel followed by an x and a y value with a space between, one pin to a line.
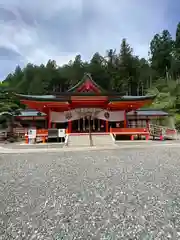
pixel 64 116
pixel 112 116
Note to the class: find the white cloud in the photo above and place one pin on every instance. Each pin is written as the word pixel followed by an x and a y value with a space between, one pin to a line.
pixel 58 29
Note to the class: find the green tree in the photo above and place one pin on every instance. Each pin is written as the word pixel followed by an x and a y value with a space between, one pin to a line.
pixel 9 106
pixel 98 70
pixel 161 50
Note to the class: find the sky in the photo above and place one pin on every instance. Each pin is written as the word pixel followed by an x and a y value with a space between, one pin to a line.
pixel 38 30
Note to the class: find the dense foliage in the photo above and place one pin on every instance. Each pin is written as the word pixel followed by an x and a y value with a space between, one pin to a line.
pixel 119 70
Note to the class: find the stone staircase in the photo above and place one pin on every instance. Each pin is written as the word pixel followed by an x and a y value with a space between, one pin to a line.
pixel 102 140
pixel 78 141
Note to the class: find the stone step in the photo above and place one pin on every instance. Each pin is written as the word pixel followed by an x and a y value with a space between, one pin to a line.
pixel 78 140
pixel 102 140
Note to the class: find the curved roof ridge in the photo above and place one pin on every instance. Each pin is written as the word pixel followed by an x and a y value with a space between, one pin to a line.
pixel 85 77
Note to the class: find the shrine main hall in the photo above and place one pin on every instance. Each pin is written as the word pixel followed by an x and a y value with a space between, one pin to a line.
pixel 85 107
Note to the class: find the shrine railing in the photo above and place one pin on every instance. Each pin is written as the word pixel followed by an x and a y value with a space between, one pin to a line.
pixel 129 130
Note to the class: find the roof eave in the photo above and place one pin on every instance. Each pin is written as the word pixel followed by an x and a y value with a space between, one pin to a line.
pixel 131 98
pixel 42 99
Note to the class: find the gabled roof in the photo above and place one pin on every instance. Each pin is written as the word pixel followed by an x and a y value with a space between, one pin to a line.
pixel 87 84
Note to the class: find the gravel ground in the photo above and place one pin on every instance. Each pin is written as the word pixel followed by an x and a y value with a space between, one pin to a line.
pixel 115 194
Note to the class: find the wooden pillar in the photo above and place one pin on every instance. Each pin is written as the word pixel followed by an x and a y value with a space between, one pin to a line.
pixel 99 124
pixel 33 122
pixel 107 126
pixel 79 124
pixel 93 123
pixel 84 124
pixel 125 119
pixel 147 124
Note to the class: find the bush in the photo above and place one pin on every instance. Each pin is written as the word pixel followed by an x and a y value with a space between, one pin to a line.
pixel 177 121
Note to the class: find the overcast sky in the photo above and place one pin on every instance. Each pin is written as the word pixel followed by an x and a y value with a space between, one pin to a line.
pixel 38 30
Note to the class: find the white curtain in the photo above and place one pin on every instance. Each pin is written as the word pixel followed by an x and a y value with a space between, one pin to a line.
pixel 64 116
pixel 112 116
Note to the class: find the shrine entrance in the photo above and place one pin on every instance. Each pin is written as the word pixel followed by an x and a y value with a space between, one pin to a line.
pixel 88 121
pixel 88 124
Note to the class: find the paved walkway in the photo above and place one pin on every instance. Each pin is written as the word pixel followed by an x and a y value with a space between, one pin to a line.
pixel 14 148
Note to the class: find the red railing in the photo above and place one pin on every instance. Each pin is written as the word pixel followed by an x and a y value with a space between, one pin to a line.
pixel 132 132
pixel 129 131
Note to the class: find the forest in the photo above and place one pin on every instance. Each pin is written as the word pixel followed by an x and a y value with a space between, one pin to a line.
pixel 119 70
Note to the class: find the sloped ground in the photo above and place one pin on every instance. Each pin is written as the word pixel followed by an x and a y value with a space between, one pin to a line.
pixel 128 194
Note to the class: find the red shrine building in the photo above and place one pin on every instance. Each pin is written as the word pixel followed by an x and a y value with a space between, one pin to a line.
pixel 86 107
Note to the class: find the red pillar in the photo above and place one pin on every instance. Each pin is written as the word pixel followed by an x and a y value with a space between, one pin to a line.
pixel 107 126
pixel 49 119
pixel 69 126
pixel 125 119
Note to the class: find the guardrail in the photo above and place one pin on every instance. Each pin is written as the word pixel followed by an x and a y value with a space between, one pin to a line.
pixel 162 132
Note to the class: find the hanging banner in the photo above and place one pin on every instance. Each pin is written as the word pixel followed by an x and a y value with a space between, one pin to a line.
pixel 64 116
pixel 83 112
pixel 112 116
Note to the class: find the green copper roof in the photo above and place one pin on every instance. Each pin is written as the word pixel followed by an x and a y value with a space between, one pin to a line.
pixel 132 98
pixel 148 112
pixel 31 113
pixel 64 97
pixel 37 96
pixel 140 112
pixel 42 98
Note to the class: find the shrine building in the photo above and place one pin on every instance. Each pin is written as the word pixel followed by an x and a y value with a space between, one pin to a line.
pixel 86 107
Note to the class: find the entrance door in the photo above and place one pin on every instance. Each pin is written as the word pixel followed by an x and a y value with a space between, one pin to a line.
pixel 82 125
pixel 98 125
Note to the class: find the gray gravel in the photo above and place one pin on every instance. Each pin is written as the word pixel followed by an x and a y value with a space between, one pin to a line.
pixel 115 194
